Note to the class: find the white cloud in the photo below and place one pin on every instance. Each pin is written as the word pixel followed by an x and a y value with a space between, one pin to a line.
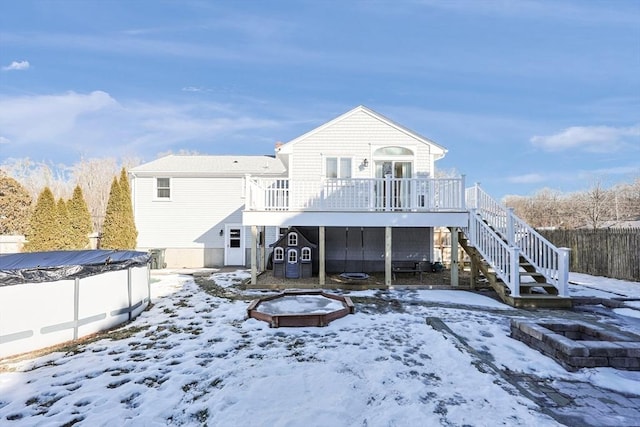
pixel 530 178
pixel 17 65
pixel 4 140
pixel 588 138
pixel 63 126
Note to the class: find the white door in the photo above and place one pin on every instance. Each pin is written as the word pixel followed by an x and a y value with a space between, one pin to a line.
pixel 234 244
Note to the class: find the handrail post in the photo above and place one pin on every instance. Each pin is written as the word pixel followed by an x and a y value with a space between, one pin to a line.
pixel 472 227
pixel 477 191
pixel 563 271
pixel 463 193
pixel 514 266
pixel 511 234
pixel 387 193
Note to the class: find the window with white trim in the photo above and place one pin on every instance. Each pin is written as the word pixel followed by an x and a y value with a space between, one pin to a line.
pixel 338 167
pixel 305 254
pixel 278 254
pixel 292 239
pixel 163 188
pixel 292 256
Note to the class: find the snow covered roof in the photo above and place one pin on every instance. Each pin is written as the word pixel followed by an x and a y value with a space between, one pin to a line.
pixel 203 165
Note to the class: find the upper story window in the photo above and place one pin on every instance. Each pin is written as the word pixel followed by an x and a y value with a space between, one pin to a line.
pixel 163 188
pixel 338 167
pixel 292 239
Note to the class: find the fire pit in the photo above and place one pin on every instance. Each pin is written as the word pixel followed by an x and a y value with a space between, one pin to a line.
pixel 300 308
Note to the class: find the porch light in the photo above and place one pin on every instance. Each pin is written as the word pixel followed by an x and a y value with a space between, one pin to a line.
pixel 365 163
pixel 221 232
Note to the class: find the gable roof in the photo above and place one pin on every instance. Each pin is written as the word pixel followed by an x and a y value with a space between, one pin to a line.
pixel 201 165
pixel 302 237
pixel 286 148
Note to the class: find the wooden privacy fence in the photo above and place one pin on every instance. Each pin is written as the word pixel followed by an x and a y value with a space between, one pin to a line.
pixel 610 252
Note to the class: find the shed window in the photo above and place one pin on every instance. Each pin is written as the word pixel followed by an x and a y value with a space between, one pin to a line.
pixel 278 255
pixel 292 239
pixel 305 254
pixel 292 256
pixel 338 167
pixel 163 188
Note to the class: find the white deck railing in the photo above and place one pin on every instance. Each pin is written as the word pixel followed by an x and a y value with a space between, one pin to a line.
pixel 355 194
pixel 502 257
pixel 548 260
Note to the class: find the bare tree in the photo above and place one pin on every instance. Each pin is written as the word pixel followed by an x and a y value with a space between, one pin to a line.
pixel 94 176
pixel 595 206
pixel 35 176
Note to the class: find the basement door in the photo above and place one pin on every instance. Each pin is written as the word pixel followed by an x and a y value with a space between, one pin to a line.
pixel 234 244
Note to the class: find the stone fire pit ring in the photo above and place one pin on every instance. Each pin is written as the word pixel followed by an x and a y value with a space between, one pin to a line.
pixel 300 308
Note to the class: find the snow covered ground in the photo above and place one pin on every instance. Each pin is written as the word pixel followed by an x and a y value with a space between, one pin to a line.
pixel 194 359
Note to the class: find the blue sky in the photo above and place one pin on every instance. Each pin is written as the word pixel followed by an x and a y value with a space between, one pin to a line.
pixel 524 94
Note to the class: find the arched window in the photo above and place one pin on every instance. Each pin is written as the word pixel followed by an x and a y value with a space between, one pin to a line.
pixel 292 239
pixel 292 256
pixel 278 255
pixel 393 151
pixel 305 254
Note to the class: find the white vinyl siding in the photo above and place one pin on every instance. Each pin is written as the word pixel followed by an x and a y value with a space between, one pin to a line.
pixel 356 137
pixel 200 208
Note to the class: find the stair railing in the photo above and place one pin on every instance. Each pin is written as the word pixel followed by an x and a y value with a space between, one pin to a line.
pixel 502 257
pixel 547 259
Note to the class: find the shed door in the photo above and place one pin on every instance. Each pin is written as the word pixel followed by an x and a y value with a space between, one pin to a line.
pixel 293 266
pixel 234 245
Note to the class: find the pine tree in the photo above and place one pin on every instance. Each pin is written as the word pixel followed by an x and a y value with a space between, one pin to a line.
pixel 15 206
pixel 41 235
pixel 130 234
pixel 79 220
pixel 112 225
pixel 63 231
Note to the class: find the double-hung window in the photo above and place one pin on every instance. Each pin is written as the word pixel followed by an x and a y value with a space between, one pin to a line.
pixel 338 167
pixel 163 188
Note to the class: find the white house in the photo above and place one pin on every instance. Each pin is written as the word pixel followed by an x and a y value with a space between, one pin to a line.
pixel 361 187
pixel 191 207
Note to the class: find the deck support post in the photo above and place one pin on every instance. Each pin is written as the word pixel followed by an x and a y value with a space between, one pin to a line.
pixel 387 256
pixel 322 275
pixel 473 277
pixel 254 253
pixel 263 249
pixel 454 256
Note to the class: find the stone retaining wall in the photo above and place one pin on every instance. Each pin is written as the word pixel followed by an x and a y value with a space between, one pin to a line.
pixel 580 345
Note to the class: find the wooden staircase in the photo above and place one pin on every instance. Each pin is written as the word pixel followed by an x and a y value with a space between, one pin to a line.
pixel 533 294
pixel 505 250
